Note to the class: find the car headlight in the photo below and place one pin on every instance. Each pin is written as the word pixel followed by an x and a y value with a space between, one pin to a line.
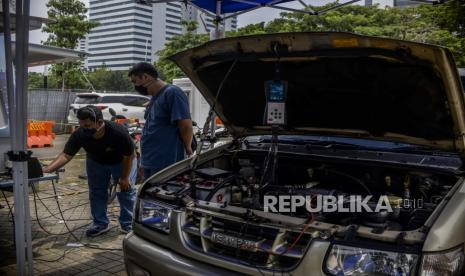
pixel 443 263
pixel 155 215
pixel 347 260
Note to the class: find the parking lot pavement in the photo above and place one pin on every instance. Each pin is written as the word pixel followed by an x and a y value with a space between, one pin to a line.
pixel 52 152
pixel 61 254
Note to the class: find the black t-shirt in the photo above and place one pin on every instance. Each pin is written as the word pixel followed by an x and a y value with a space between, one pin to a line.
pixel 109 149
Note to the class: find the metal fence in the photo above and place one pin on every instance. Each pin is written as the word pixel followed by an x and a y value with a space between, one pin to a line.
pixel 53 105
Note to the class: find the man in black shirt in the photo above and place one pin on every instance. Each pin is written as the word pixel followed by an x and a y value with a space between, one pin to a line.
pixel 110 153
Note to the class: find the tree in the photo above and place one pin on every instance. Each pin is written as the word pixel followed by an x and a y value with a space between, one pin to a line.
pixel 35 80
pixel 104 79
pixel 178 43
pixel 67 25
pixel 441 25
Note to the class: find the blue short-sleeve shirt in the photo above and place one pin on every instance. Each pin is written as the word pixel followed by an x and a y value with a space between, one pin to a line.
pixel 161 144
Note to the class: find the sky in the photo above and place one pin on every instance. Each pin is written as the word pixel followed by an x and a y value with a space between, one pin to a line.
pixel 256 16
pixel 259 15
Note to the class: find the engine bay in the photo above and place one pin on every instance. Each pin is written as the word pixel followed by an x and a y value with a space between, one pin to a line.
pixel 238 180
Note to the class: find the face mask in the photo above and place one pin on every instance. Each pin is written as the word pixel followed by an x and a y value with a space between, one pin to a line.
pixel 141 89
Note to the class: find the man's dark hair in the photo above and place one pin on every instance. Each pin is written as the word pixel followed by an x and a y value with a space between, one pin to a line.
pixel 89 112
pixel 143 67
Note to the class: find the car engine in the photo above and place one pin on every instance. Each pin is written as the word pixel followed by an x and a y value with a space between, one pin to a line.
pixel 238 180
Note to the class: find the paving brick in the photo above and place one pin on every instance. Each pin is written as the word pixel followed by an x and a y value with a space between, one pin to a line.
pixel 116 269
pixel 77 261
pixel 109 265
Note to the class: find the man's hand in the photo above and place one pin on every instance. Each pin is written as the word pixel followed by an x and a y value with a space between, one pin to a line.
pixel 185 131
pixel 189 152
pixel 61 160
pixel 124 184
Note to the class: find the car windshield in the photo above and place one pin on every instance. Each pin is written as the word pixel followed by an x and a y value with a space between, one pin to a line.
pixel 86 100
pixel 113 99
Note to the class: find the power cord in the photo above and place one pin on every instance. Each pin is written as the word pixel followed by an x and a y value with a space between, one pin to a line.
pixel 68 229
pixel 10 208
pixel 91 246
pixel 36 195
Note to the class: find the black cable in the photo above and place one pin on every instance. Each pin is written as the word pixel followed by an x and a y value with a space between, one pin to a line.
pixel 210 114
pixel 74 207
pixel 71 233
pixel 10 208
pixel 57 259
pixel 220 185
pixel 348 176
pixel 34 191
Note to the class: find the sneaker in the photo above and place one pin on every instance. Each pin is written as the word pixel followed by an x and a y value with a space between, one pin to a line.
pixel 96 230
pixel 126 229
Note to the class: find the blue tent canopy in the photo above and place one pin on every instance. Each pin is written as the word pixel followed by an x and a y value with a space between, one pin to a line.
pixel 230 6
pixel 236 7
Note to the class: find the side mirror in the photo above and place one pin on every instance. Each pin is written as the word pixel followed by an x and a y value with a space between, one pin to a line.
pixel 112 112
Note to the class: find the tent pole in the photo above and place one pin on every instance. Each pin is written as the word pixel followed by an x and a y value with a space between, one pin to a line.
pixel 17 108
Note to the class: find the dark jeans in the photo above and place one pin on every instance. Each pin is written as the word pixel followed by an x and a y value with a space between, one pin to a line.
pixel 98 179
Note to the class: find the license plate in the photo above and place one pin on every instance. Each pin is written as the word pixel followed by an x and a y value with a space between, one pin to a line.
pixel 232 241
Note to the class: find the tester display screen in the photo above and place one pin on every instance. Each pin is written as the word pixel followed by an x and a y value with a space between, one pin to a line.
pixel 276 92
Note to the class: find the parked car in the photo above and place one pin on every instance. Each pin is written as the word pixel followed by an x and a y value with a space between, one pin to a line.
pixel 129 105
pixel 366 116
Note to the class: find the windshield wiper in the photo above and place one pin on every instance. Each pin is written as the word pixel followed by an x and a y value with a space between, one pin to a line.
pixel 316 143
pixel 332 144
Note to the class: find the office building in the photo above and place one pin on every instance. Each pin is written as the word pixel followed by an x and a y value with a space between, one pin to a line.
pixel 129 32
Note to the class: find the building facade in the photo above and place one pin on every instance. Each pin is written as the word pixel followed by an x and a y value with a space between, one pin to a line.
pixel 130 32
pixel 123 37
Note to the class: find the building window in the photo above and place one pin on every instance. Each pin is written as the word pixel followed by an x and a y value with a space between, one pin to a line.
pixel 118 10
pixel 131 45
pixel 123 28
pixel 119 40
pixel 121 34
pixel 118 59
pixel 120 53
pixel 124 21
pixel 123 15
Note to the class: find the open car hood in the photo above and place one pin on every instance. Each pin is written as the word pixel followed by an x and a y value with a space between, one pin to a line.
pixel 338 84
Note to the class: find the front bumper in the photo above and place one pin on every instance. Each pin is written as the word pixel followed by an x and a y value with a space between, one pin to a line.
pixel 157 260
pixel 160 260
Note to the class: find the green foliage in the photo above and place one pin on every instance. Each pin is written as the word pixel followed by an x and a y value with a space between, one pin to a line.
pixel 104 79
pixel 67 25
pixel 441 25
pixel 179 43
pixel 35 80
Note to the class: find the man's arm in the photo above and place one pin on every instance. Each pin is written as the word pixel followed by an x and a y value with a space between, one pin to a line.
pixel 185 131
pixel 59 162
pixel 124 182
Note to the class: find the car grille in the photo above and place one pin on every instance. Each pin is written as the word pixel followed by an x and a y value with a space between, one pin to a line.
pixel 270 250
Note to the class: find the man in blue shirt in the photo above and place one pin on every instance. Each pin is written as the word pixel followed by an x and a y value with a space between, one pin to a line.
pixel 167 134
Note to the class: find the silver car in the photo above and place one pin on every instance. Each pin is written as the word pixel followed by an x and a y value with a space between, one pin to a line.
pixel 365 117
